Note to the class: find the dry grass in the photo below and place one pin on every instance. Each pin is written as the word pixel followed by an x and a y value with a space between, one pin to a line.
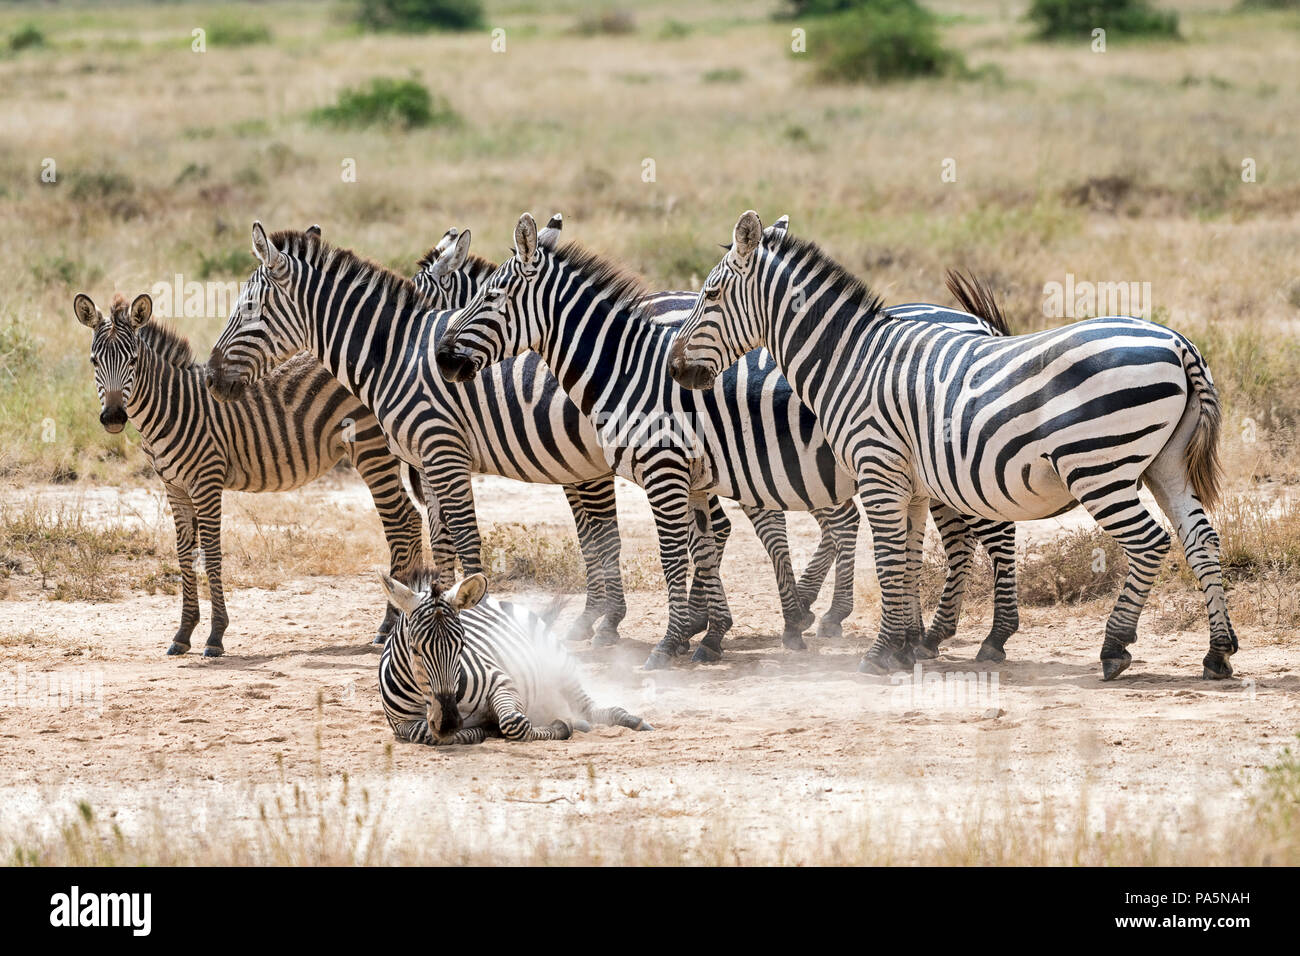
pixel 332 821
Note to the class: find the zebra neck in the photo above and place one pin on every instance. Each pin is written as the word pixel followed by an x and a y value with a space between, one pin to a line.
pixel 600 350
pixel 158 391
pixel 824 344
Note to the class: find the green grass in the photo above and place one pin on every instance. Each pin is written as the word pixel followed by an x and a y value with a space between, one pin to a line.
pixel 396 104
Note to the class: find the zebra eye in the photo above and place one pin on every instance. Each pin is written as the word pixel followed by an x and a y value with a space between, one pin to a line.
pixel 712 291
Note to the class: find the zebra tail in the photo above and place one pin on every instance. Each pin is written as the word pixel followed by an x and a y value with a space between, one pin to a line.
pixel 1201 457
pixel 975 296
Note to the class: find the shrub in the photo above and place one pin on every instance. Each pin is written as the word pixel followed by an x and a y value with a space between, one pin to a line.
pixel 1076 19
pixel 878 42
pixel 27 36
pixel 414 16
pixel 387 102
pixel 231 32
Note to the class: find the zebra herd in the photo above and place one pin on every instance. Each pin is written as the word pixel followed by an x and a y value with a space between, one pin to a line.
pixel 784 384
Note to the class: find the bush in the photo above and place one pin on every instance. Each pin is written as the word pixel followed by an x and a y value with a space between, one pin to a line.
pixel 1076 19
pixel 881 41
pixel 414 16
pixel 609 22
pixel 802 9
pixel 27 36
pixel 231 32
pixel 387 102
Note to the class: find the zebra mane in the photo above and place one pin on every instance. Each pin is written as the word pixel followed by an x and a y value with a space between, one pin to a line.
pixel 842 282
pixel 168 344
pixel 624 288
pixel 311 248
pixel 163 340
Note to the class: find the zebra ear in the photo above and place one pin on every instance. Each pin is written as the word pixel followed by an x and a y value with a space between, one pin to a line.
pixel 549 236
pixel 459 253
pixel 747 235
pixel 141 310
pixel 774 233
pixel 83 307
pixel 266 252
pixel 526 239
pixel 314 230
pixel 402 597
pixel 468 592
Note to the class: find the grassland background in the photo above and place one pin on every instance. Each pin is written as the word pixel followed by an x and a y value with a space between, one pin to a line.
pixel 165 156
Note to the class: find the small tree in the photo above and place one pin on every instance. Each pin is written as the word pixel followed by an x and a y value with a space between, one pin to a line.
pixel 880 41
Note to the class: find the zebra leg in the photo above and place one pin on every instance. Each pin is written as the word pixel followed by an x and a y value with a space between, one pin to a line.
pixel 581 702
pixel 840 526
pixel 448 481
pixel 698 601
pixel 708 568
pixel 886 505
pixel 999 539
pixel 584 626
pixel 958 546
pixel 916 512
pixel 515 725
pixel 186 532
pixel 770 527
pixel 1201 548
pixel 466 735
pixel 669 502
pixel 1122 515
pixel 595 515
pixel 818 566
pixel 208 506
pixel 403 529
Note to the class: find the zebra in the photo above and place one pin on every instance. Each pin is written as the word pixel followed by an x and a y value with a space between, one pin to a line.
pixel 461 667
pixel 448 277
pixel 290 430
pixel 750 439
pixel 1011 428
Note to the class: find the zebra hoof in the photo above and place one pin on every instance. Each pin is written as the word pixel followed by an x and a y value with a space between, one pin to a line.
pixel 793 641
pixel 1112 667
pixel 906 656
pixel 807 621
pixel 381 637
pixel 581 631
pixel 829 627
pixel 1215 668
pixel 604 639
pixel 582 727
pixel 657 661
pixel 643 725
pixel 213 650
pixel 991 653
pixel 923 652
pixel 562 729
pixel 706 655
pixel 177 648
pixel 875 665
pixel 682 647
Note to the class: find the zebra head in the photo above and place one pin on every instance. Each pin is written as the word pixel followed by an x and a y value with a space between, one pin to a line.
pixel 433 636
pixel 114 352
pixel 503 318
pixel 266 326
pixel 724 324
pixel 443 280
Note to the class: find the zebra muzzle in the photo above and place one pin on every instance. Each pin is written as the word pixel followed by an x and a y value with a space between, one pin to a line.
pixel 444 715
pixel 689 374
pixel 224 383
pixel 455 364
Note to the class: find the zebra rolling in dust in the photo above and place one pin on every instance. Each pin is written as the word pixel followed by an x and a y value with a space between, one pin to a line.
pixel 461 667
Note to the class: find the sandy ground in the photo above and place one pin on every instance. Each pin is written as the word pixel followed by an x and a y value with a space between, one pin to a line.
pixel 769 754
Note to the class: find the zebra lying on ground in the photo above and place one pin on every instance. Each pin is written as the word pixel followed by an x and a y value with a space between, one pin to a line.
pixel 461 667
pixel 750 439
pixel 448 277
pixel 1011 428
pixel 290 430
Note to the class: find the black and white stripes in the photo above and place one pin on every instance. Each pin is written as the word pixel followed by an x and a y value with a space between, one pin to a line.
pixel 1003 428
